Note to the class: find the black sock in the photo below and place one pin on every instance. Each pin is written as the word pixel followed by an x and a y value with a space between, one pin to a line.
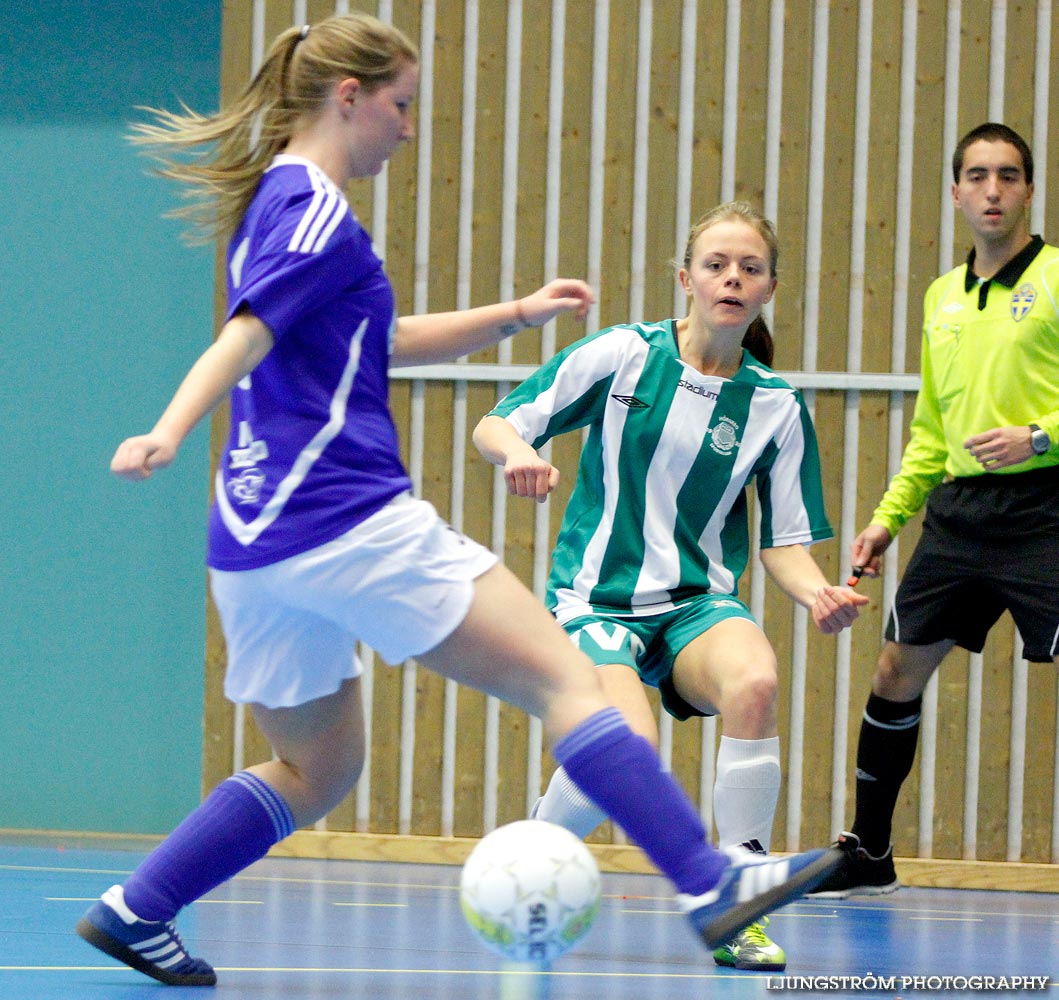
pixel 885 752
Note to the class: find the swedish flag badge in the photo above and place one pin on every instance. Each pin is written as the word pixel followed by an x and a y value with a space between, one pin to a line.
pixel 1022 300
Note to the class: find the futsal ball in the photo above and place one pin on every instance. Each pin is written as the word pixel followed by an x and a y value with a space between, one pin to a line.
pixel 530 891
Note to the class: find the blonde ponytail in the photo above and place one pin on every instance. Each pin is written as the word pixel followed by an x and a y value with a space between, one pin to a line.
pixel 241 139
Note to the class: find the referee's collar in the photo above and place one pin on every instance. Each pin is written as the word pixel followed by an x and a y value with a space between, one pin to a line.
pixel 1007 275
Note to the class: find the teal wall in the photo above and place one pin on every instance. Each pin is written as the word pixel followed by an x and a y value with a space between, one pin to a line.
pixel 102 310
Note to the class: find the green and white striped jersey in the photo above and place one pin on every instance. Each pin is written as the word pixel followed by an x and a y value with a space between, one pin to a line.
pixel 659 511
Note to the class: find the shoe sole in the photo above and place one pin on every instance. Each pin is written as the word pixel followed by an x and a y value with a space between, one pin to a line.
pixel 753 966
pixel 123 953
pixel 724 927
pixel 857 890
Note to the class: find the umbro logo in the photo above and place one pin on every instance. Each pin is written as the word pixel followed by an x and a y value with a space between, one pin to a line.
pixel 630 401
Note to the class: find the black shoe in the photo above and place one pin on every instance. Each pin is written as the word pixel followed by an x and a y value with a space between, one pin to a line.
pixel 860 875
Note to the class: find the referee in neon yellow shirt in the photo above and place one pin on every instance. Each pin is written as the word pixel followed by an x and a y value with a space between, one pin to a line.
pixel 983 454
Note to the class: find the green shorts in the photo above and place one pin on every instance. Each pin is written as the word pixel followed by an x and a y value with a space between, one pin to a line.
pixel 650 644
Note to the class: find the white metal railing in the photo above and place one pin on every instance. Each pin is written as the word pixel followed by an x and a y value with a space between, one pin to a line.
pixel 845 381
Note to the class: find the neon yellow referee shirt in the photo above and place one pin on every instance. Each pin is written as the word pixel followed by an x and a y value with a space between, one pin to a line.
pixel 990 359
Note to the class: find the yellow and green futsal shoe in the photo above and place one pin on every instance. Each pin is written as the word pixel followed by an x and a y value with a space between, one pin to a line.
pixel 752 949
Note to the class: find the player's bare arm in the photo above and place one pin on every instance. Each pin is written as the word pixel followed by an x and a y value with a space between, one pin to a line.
pixel 833 608
pixel 242 343
pixel 434 338
pixel 525 472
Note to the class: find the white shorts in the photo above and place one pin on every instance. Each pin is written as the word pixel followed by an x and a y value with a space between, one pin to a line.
pixel 401 582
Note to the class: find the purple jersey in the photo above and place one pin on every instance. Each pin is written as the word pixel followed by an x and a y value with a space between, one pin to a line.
pixel 312 449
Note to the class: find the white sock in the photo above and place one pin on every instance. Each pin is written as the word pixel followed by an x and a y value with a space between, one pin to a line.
pixel 566 805
pixel 746 790
pixel 114 897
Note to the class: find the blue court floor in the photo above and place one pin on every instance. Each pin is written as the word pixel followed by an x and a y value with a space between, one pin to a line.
pixel 290 928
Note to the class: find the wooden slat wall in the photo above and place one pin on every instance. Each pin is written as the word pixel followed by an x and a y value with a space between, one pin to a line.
pixel 854 265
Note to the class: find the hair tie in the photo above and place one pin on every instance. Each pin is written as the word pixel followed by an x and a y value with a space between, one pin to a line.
pixel 304 32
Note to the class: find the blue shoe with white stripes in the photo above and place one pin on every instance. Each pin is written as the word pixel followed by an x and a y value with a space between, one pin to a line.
pixel 751 886
pixel 151 947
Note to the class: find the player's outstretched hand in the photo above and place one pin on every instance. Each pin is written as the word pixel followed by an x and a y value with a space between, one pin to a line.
pixel 836 608
pixel 558 296
pixel 138 457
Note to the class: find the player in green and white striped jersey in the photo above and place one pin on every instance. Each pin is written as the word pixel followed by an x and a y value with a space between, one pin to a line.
pixel 681 418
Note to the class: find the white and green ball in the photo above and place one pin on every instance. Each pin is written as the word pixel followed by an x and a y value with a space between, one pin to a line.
pixel 530 891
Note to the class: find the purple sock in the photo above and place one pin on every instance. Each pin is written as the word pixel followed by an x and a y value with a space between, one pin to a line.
pixel 236 825
pixel 623 775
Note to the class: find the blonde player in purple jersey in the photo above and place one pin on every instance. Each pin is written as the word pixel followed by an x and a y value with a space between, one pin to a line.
pixel 683 415
pixel 315 541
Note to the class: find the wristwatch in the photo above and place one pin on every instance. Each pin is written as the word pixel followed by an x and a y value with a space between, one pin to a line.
pixel 1039 440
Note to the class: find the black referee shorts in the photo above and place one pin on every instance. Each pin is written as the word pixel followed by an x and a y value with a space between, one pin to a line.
pixel 990 543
